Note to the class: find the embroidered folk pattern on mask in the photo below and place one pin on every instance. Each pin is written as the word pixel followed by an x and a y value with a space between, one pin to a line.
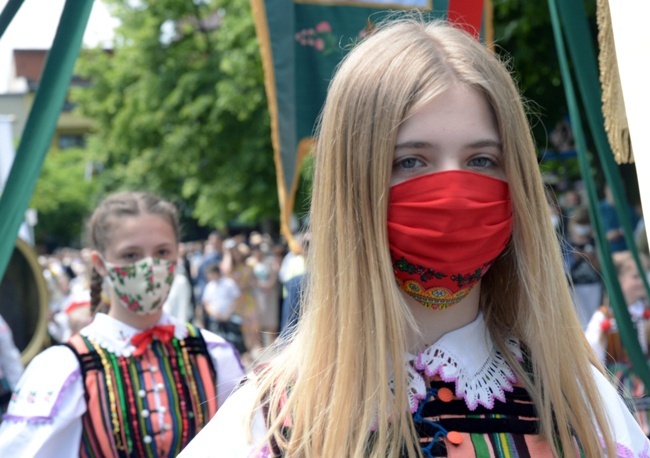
pixel 438 297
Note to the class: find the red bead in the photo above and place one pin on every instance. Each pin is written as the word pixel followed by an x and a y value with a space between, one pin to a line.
pixel 606 325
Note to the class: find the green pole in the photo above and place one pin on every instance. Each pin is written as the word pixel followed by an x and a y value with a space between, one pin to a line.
pixel 584 58
pixel 8 13
pixel 626 328
pixel 41 123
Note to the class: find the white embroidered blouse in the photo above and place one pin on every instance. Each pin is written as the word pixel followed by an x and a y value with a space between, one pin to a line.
pixel 467 357
pixel 44 416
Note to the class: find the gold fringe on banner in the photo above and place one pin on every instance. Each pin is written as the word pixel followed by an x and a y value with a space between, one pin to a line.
pixel 616 126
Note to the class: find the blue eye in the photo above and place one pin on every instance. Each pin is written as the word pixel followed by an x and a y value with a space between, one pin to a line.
pixel 407 163
pixel 482 162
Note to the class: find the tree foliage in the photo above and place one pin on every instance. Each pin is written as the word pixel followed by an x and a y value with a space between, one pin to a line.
pixel 63 197
pixel 524 36
pixel 180 108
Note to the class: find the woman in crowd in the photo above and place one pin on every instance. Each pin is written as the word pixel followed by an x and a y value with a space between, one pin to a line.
pixel 234 266
pixel 437 320
pixel 134 382
pixel 603 334
pixel 583 266
pixel 267 292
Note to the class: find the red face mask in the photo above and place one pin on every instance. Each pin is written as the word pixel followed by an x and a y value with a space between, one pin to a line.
pixel 445 230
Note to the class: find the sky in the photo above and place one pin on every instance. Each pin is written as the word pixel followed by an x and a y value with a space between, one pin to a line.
pixel 35 24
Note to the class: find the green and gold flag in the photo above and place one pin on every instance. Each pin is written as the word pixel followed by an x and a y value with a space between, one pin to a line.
pixel 302 42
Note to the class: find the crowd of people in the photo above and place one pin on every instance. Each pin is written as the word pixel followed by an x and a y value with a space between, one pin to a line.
pixel 427 314
pixel 570 217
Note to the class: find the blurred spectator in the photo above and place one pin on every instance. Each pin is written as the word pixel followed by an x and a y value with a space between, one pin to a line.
pixel 570 202
pixel 11 367
pixel 234 266
pixel 583 266
pixel 293 288
pixel 265 269
pixel 213 253
pixel 293 264
pixel 219 302
pixel 612 224
pixel 603 335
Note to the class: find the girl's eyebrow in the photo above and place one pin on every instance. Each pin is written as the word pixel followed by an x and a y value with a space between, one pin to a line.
pixel 417 144
pixel 486 144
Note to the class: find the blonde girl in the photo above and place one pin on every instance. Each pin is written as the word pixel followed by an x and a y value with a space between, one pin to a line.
pixel 135 382
pixel 437 320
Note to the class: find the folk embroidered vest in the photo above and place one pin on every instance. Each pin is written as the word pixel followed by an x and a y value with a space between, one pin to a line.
pixel 146 406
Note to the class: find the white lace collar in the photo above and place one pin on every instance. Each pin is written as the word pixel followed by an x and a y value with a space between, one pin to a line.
pixel 468 358
pixel 115 336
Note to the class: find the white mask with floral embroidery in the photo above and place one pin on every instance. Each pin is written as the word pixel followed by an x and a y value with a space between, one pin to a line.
pixel 143 286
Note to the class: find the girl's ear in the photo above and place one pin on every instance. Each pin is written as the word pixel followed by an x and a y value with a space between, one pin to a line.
pixel 98 263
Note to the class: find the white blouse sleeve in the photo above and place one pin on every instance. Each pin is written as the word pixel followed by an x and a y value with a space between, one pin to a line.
pixel 628 436
pixel 227 434
pixel 44 414
pixel 227 364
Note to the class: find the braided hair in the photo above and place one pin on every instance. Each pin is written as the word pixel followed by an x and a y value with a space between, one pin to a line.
pixel 105 218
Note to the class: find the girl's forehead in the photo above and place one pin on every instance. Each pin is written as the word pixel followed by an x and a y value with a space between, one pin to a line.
pixel 141 230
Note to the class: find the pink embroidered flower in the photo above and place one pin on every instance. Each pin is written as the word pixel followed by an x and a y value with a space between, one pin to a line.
pixel 319 44
pixel 323 27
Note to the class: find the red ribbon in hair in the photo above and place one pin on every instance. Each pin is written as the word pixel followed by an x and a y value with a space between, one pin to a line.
pixel 163 332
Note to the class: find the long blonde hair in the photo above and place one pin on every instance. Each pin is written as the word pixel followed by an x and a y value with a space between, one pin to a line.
pixel 355 322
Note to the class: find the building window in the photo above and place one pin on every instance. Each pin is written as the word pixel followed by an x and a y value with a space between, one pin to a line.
pixel 71 141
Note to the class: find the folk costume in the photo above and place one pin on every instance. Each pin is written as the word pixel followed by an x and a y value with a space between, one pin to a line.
pixel 113 390
pixel 465 401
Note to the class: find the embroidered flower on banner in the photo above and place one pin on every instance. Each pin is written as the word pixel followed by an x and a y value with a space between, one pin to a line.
pixel 319 37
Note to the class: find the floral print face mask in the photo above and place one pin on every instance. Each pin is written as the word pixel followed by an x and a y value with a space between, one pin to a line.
pixel 143 286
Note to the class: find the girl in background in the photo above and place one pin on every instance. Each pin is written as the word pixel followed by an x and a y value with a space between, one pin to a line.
pixel 603 335
pixel 134 382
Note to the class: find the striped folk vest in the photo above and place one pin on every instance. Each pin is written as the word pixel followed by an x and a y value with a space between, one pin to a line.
pixel 146 406
pixel 448 428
